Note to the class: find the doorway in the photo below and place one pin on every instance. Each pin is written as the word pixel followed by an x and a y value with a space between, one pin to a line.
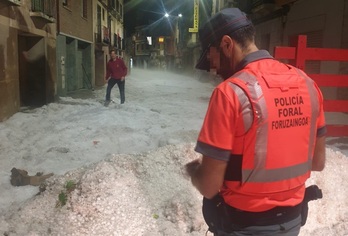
pixel 32 70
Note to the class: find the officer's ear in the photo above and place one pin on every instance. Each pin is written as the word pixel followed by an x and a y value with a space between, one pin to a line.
pixel 227 45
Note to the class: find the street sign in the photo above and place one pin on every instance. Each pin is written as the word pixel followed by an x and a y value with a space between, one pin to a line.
pixel 195 17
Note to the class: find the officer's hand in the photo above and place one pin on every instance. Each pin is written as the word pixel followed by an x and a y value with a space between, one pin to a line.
pixel 192 166
pixel 123 78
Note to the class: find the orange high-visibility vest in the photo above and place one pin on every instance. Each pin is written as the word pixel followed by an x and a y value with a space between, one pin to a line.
pixel 285 108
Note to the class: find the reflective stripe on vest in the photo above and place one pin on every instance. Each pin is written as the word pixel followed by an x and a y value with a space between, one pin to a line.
pixel 247 84
pixel 315 111
pixel 245 106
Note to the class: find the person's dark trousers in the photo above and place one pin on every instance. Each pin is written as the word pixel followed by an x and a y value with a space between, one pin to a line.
pixel 111 84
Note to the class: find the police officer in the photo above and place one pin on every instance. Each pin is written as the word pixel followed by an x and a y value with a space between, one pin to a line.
pixel 263 133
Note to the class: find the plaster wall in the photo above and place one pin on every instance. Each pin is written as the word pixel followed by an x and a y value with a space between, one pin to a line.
pixel 16 21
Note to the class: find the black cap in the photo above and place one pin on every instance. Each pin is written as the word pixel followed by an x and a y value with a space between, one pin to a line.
pixel 222 23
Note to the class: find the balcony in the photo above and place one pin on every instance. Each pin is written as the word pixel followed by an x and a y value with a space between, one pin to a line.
pixel 8 3
pixel 284 2
pixel 13 2
pixel 263 7
pixel 44 9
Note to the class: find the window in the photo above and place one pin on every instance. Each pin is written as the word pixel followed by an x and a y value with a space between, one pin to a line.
pixel 113 4
pixel 121 10
pixel 106 38
pixel 99 23
pixel 84 8
pixel 149 40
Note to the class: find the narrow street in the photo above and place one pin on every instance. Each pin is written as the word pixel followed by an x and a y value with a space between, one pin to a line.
pixel 160 109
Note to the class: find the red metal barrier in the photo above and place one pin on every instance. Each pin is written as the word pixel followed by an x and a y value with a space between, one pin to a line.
pixel 299 53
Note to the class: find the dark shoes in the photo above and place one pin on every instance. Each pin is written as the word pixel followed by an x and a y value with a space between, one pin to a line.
pixel 107 102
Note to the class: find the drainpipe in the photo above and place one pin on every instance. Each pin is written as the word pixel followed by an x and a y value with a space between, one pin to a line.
pixel 57 17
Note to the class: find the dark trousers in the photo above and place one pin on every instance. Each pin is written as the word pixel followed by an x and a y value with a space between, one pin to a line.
pixel 111 84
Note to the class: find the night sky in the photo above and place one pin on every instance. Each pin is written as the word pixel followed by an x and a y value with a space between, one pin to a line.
pixel 144 12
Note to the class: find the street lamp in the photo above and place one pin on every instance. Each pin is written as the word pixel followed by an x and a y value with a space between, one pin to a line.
pixel 176 32
pixel 179 27
pixel 179 42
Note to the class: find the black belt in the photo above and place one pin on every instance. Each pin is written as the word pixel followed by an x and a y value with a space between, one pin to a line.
pixel 274 216
pixel 219 215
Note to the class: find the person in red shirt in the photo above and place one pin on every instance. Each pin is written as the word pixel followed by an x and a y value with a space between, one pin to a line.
pixel 116 72
pixel 263 134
